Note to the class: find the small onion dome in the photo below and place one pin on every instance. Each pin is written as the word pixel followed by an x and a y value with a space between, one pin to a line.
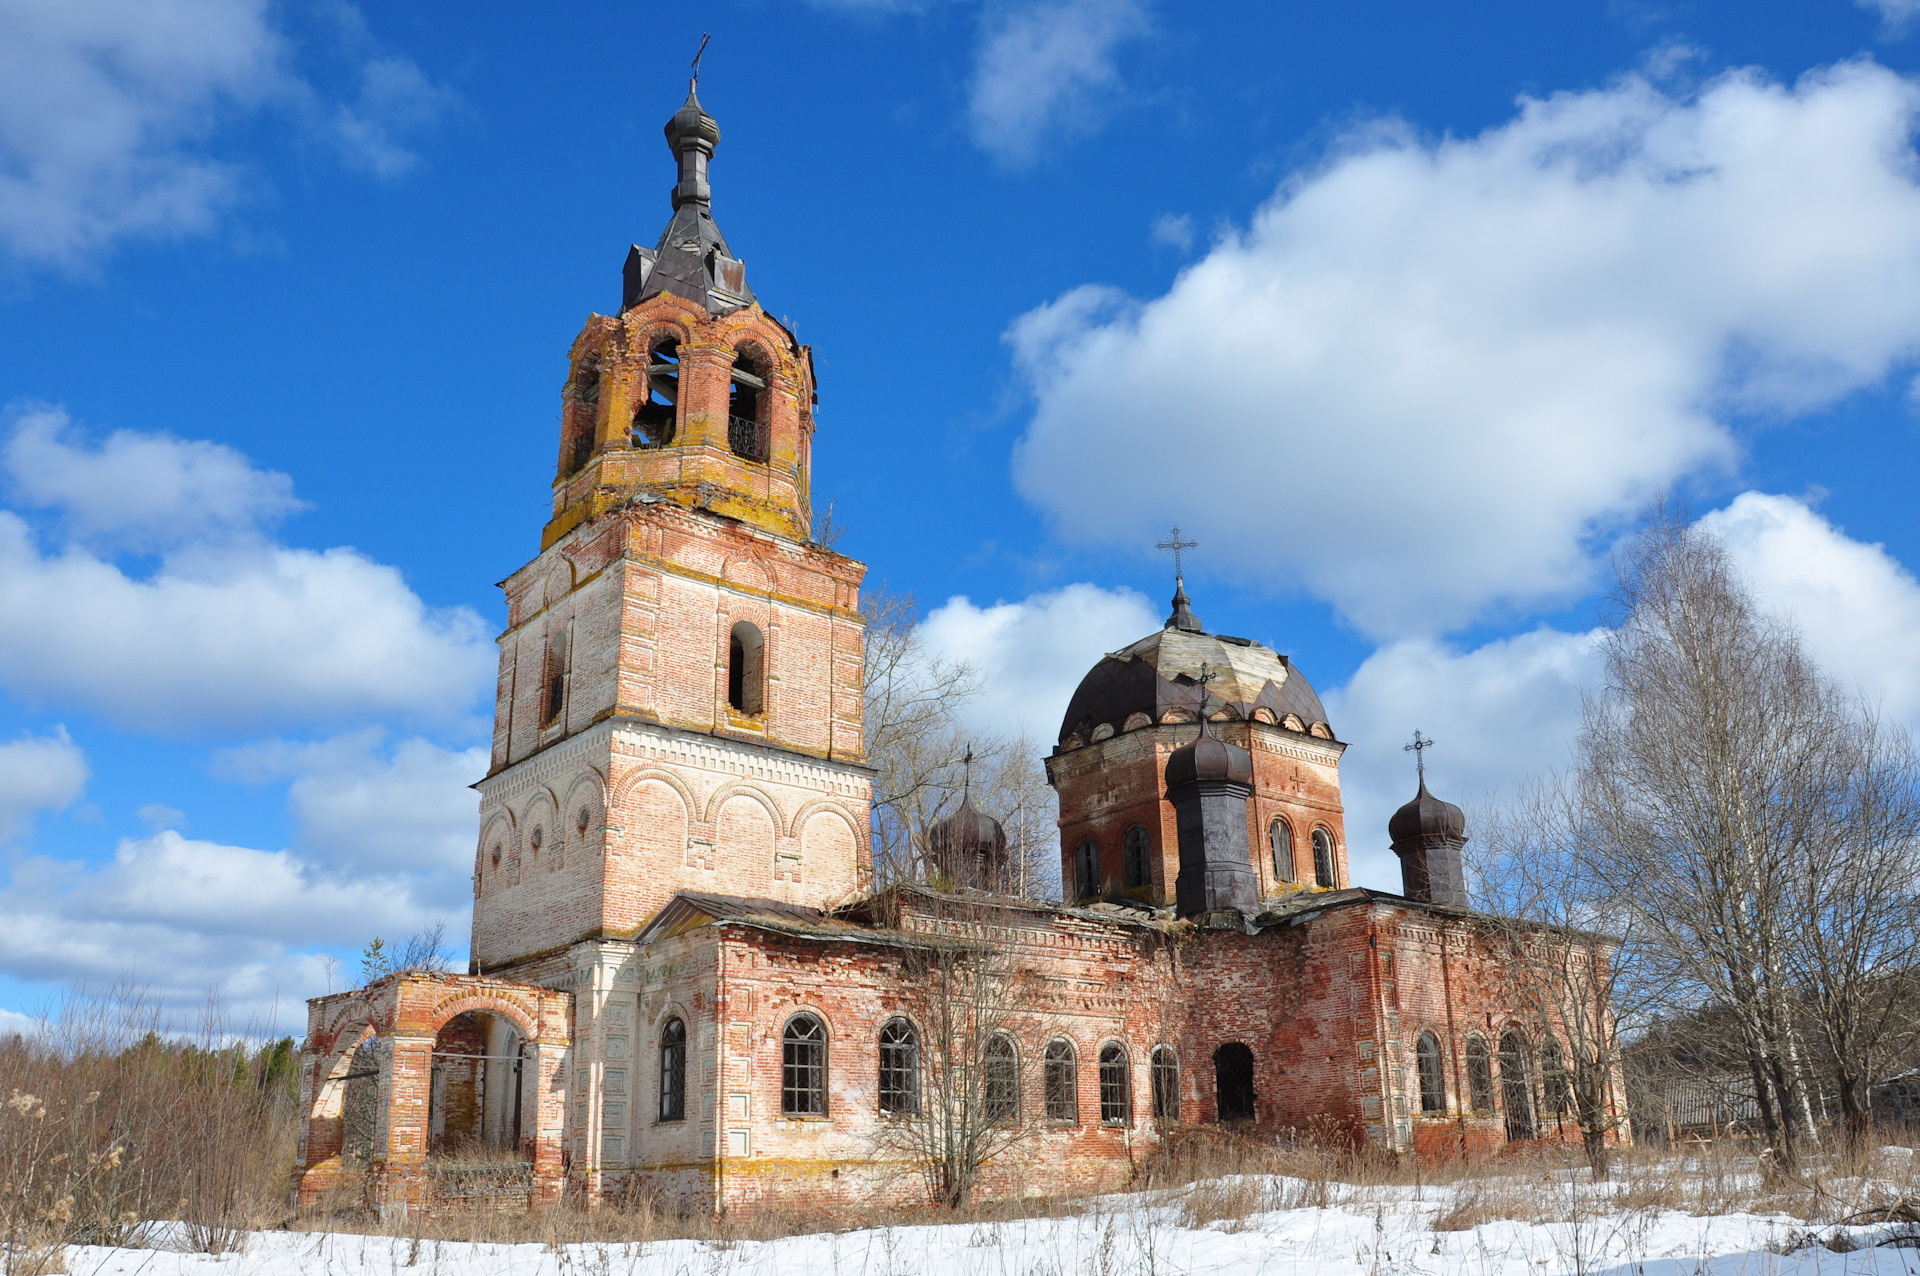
pixel 968 847
pixel 691 120
pixel 1209 759
pixel 1426 819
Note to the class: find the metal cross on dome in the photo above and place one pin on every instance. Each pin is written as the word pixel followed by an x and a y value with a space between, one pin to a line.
pixel 1418 749
pixel 1174 543
pixel 694 84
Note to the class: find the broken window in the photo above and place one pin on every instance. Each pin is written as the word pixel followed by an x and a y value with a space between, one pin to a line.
pixel 1516 1091
pixel 673 1070
pixel 1233 1082
pixel 1000 1081
pixel 1088 876
pixel 1554 1078
pixel 1116 1085
pixel 899 1069
pixel 1280 836
pixel 1063 1100
pixel 1139 867
pixel 1479 1075
pixel 1433 1077
pixel 746 405
pixel 655 420
pixel 803 1067
pixel 1323 858
pixel 1166 1084
pixel 746 669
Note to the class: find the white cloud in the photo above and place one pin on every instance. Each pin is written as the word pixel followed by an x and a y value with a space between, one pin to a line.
pixel 140 491
pixel 1856 606
pixel 1174 230
pixel 1429 375
pixel 396 101
pixel 1031 654
pixel 38 773
pixel 1896 15
pixel 15 1024
pixel 1048 69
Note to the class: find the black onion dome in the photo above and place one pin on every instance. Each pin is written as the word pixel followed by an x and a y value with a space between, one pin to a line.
pixel 968 846
pixel 1159 673
pixel 1209 758
pixel 691 120
pixel 1426 818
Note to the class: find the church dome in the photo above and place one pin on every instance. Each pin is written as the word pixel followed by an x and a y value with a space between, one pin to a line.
pixel 1426 819
pixel 968 847
pixel 692 120
pixel 1209 758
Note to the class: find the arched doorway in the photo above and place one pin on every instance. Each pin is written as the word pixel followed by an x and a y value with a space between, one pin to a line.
pixel 1233 1082
pixel 475 1148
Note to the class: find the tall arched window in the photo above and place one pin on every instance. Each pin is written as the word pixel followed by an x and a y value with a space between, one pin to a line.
pixel 673 1070
pixel 1516 1091
pixel 1322 858
pixel 1116 1085
pixel 553 689
pixel 1000 1081
pixel 1233 1082
pixel 803 1067
pixel 654 421
pixel 899 1069
pixel 746 407
pixel 1280 838
pixel 1063 1099
pixel 580 431
pixel 1139 870
pixel 1166 1084
pixel 746 669
pixel 1479 1075
pixel 1088 869
pixel 1554 1079
pixel 1433 1073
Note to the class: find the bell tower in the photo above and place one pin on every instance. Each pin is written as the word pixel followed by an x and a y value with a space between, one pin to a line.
pixel 680 692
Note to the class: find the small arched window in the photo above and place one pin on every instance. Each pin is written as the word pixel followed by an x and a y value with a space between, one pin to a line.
pixel 1280 837
pixel 553 682
pixel 803 1067
pixel 1138 866
pixel 1323 858
pixel 1516 1091
pixel 1433 1075
pixel 1116 1085
pixel 1063 1100
pixel 899 1069
pixel 1166 1084
pixel 1000 1081
pixel 655 420
pixel 673 1070
pixel 746 405
pixel 746 669
pixel 1088 869
pixel 1233 1082
pixel 1479 1075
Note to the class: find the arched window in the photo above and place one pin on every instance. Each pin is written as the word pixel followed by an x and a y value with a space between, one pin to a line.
pixel 1280 837
pixel 1166 1084
pixel 1554 1079
pixel 654 421
pixel 1323 858
pixel 586 393
pixel 746 669
pixel 553 682
pixel 1233 1082
pixel 1116 1085
pixel 1000 1081
pixel 1433 1075
pixel 746 411
pixel 803 1067
pixel 1516 1092
pixel 673 1070
pixel 899 1069
pixel 1088 869
pixel 1063 1099
pixel 1139 870
pixel 1479 1075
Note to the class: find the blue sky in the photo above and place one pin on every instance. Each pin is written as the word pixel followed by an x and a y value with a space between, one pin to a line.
pixel 1402 311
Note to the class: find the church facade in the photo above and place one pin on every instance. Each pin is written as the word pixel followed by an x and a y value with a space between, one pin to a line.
pixel 683 981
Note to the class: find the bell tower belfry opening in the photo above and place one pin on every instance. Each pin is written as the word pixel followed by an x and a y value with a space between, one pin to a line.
pixel 679 702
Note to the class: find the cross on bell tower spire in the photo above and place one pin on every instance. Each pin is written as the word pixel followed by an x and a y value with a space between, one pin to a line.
pixel 1182 618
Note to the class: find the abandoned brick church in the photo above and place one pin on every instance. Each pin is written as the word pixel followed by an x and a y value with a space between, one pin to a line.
pixel 682 977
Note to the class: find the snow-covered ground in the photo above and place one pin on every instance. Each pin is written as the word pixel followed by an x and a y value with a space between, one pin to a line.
pixel 1388 1233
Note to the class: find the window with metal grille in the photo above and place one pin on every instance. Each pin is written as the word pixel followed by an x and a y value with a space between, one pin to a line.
pixel 673 1070
pixel 1322 858
pixel 1233 1082
pixel 1063 1099
pixel 1166 1084
pixel 1516 1091
pixel 1479 1075
pixel 1089 869
pixel 1139 868
pixel 1000 1081
pixel 1280 836
pixel 803 1067
pixel 1116 1085
pixel 747 406
pixel 1433 1076
pixel 899 1069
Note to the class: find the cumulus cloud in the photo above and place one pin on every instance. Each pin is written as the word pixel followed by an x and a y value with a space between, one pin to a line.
pixel 38 773
pixel 1430 374
pixel 1048 69
pixel 1896 15
pixel 395 102
pixel 229 630
pixel 1031 654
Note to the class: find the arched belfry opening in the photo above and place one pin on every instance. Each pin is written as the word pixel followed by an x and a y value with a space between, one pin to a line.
pixel 655 420
pixel 746 669
pixel 747 404
pixel 584 417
